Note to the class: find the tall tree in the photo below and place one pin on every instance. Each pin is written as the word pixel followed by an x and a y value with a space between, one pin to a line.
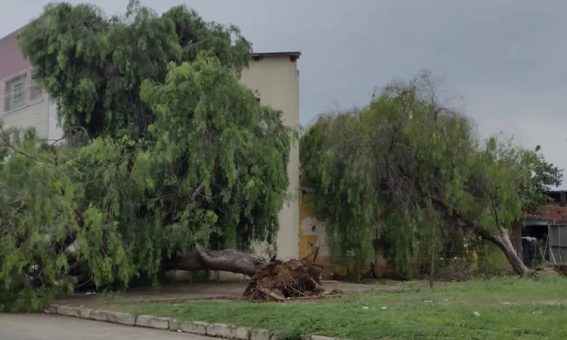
pixel 407 168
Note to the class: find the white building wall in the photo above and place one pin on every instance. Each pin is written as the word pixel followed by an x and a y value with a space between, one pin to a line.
pixel 39 113
pixel 275 78
pixel 34 115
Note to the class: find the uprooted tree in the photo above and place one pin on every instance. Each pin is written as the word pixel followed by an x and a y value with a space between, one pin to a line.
pixel 180 164
pixel 409 169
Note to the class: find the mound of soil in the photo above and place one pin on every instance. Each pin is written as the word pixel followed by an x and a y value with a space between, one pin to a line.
pixel 281 280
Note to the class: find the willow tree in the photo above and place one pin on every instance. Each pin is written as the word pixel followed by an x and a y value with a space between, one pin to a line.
pixel 182 167
pixel 408 169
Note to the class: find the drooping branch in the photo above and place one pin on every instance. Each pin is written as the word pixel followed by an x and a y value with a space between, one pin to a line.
pixel 6 143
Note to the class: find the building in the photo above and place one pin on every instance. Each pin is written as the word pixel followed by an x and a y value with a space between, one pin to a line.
pixel 273 77
pixel 544 233
pixel 22 104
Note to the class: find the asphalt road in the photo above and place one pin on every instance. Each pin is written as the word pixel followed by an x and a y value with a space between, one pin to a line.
pixel 52 327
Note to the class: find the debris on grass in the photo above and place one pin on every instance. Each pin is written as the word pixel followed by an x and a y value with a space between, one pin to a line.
pixel 561 269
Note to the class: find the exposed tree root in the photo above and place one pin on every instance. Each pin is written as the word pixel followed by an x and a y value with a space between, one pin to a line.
pixel 278 281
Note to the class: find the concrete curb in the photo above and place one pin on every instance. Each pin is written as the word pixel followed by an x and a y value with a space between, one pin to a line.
pixel 217 330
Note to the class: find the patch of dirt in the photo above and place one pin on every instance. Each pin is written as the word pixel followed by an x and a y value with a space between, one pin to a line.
pixel 552 302
pixel 180 292
pixel 280 280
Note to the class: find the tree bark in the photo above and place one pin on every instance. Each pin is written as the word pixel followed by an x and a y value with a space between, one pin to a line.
pixel 502 240
pixel 432 267
pixel 224 260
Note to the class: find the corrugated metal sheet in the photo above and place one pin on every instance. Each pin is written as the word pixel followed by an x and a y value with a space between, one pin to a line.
pixel 557 240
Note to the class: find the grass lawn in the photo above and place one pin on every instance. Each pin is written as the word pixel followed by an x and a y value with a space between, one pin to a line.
pixel 500 308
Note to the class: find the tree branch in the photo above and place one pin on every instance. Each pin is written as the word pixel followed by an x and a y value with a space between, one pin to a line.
pixel 23 153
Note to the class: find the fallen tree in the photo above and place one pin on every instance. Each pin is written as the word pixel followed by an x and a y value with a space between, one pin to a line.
pixel 227 260
pixel 272 280
pixel 174 155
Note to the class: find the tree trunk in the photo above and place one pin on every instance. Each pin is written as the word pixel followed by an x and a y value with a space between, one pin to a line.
pixel 502 240
pixel 224 260
pixel 432 267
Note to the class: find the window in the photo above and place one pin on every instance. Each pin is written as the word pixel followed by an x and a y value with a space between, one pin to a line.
pixel 15 92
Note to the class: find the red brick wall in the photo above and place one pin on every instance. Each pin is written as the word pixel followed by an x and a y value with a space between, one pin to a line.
pixel 552 212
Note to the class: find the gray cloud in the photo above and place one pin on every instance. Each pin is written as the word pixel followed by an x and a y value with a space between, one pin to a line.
pixel 506 59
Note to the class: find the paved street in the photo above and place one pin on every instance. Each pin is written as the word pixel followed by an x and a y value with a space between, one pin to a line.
pixel 51 327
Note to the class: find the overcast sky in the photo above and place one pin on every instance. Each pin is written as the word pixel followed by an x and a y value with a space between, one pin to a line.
pixel 505 62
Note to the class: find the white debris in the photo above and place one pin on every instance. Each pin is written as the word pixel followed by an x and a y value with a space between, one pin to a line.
pixel 365 307
pixel 477 314
pixel 383 308
pixel 73 248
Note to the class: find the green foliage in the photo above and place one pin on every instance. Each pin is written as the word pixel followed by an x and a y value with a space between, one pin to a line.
pixel 94 65
pixel 408 170
pixel 543 176
pixel 33 230
pixel 220 149
pixel 182 155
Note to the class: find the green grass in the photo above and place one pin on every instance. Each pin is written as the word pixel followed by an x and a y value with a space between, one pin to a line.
pixel 509 308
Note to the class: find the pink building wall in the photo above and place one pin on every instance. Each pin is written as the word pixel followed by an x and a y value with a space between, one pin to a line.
pixel 12 61
pixel 37 112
